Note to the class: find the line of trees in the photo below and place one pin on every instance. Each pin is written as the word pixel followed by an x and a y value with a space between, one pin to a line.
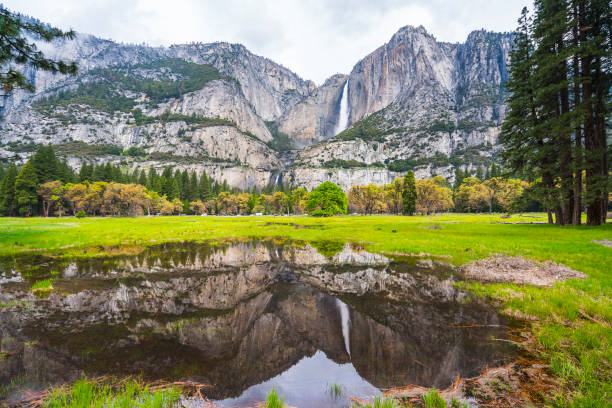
pixel 19 186
pixel 555 130
pixel 47 186
pixel 407 196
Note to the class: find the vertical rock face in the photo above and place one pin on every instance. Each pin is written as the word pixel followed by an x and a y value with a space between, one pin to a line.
pixel 411 63
pixel 315 117
pixel 414 103
pixel 269 87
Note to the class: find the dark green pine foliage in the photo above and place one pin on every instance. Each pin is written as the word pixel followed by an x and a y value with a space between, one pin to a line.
pixel 526 151
pixel 142 179
pixel 409 194
pixel 8 203
pixel 66 173
pixel 17 36
pixel 479 174
pixel 86 172
pixel 205 187
pixel 173 189
pixel 165 181
pixel 46 165
pixel 459 176
pixel 551 24
pixel 192 192
pixel 25 190
pixel 555 129
pixel 184 185
pixel 98 173
pixel 495 171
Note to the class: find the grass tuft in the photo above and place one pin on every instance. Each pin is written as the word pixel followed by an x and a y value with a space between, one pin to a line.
pixel 42 286
pixel 90 393
pixel 273 400
pixel 433 400
pixel 381 402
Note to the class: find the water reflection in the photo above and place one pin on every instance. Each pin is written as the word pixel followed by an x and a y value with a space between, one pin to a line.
pixel 244 316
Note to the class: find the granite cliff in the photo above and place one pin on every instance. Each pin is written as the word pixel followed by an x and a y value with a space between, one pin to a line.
pixel 412 104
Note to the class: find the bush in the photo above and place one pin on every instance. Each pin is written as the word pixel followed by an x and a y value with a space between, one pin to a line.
pixel 80 214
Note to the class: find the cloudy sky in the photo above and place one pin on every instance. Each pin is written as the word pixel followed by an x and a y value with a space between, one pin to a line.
pixel 315 38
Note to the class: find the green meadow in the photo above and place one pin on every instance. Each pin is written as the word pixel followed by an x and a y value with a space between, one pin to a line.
pixel 571 321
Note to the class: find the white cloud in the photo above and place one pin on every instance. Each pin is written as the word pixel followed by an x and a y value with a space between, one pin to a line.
pixel 315 38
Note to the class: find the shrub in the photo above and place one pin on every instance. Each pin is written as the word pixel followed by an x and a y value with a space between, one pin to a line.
pixel 80 214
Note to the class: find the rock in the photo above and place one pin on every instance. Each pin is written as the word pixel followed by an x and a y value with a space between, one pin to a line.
pixel 420 102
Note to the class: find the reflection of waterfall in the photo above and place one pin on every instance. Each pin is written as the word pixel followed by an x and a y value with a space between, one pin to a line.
pixel 346 319
pixel 343 115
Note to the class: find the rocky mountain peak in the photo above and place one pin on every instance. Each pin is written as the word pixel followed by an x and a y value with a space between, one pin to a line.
pixel 412 104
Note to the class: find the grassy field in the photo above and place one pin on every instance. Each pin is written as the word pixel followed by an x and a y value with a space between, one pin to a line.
pixel 572 320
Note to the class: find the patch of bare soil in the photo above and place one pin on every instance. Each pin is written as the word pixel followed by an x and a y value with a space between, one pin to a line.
pixel 604 242
pixel 514 269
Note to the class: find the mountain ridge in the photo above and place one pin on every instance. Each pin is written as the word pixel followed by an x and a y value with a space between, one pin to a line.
pixel 397 95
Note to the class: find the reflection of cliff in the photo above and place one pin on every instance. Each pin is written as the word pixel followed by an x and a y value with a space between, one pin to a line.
pixel 239 316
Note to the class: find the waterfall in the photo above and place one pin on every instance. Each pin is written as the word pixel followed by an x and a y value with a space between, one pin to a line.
pixel 345 319
pixel 343 115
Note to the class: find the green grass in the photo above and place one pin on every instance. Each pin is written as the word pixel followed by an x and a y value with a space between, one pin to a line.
pixel 89 393
pixel 381 402
pixel 573 320
pixel 273 400
pixel 42 286
pixel 433 400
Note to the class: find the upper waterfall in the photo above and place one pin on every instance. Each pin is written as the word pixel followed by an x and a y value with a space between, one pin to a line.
pixel 343 115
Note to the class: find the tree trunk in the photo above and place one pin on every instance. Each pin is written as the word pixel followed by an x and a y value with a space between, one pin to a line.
pixel 578 154
pixel 593 196
pixel 549 214
pixel 600 140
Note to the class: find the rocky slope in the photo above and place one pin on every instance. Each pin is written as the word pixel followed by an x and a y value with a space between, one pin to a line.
pixel 413 103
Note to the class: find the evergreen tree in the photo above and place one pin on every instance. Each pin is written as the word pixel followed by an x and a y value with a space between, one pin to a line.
pixel 8 203
pixel 193 187
pixel 108 172
pixel 409 194
pixel 86 172
pixel 555 127
pixel 205 187
pixel 479 174
pixel 46 165
pixel 173 190
pixel 184 185
pixel 495 172
pixel 142 180
pixel 98 173
pixel 25 190
pixel 459 176
pixel 66 173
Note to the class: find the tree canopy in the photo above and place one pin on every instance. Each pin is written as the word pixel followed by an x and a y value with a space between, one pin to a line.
pixel 327 199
